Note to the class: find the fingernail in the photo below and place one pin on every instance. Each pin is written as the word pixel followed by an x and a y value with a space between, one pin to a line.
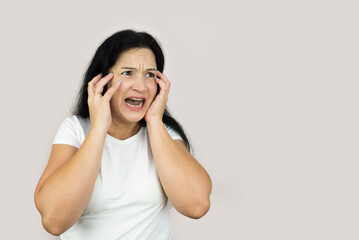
pixel 118 82
pixel 110 74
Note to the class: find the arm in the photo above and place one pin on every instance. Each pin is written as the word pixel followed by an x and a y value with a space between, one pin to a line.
pixel 184 180
pixel 66 185
pixel 64 191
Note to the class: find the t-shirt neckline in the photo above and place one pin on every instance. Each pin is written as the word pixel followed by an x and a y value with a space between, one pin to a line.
pixel 127 140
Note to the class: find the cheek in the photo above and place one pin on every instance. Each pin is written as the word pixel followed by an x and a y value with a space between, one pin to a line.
pixel 117 96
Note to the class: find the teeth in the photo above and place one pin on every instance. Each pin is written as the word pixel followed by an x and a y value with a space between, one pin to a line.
pixel 134 105
pixel 137 99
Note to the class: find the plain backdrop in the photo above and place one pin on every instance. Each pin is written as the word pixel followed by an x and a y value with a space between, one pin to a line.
pixel 267 92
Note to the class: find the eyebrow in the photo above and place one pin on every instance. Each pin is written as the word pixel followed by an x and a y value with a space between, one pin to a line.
pixel 132 68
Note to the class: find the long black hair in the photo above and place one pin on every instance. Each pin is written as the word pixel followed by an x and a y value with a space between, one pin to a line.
pixel 106 56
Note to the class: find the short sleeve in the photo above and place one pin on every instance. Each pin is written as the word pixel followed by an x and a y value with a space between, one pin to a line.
pixel 169 203
pixel 69 132
pixel 174 134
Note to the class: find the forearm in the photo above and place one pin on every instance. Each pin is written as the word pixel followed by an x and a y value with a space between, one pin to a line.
pixel 184 180
pixel 64 196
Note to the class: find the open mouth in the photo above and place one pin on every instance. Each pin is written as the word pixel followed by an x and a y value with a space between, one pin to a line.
pixel 135 102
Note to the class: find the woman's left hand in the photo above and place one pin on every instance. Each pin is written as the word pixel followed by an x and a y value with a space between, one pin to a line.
pixel 157 107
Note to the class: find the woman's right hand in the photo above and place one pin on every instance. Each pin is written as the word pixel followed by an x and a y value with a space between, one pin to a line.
pixel 99 106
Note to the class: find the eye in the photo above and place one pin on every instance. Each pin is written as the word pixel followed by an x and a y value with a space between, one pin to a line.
pixel 151 75
pixel 128 73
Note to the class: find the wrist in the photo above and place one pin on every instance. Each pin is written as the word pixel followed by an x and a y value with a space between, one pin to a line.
pixel 98 131
pixel 154 123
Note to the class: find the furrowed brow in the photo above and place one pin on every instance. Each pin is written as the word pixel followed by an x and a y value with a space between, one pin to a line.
pixel 132 68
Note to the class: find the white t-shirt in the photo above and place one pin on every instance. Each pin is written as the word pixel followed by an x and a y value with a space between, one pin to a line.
pixel 128 201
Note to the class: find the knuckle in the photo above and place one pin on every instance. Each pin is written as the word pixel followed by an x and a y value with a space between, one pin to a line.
pixel 100 84
pixel 109 93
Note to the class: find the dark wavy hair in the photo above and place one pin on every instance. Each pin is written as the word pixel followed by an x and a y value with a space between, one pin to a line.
pixel 106 56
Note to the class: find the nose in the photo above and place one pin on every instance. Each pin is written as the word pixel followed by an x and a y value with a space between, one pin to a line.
pixel 139 83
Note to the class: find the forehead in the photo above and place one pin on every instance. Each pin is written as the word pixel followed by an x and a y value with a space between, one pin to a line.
pixel 143 56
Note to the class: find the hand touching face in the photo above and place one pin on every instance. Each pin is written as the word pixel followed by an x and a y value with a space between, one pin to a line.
pixel 136 68
pixel 157 108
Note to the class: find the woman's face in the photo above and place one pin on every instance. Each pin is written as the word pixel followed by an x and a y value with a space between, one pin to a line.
pixel 136 68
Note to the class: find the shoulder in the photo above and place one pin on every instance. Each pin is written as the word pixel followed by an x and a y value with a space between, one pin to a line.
pixel 172 132
pixel 71 120
pixel 70 132
pixel 77 121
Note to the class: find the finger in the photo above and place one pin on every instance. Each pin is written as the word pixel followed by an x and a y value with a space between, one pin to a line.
pixel 112 90
pixel 164 89
pixel 162 84
pixel 100 84
pixel 164 78
pixel 159 74
pixel 90 85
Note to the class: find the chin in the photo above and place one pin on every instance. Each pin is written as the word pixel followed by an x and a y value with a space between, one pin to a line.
pixel 134 118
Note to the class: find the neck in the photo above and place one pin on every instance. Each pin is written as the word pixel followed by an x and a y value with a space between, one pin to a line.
pixel 123 131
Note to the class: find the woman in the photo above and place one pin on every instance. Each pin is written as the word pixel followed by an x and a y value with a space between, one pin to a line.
pixel 121 161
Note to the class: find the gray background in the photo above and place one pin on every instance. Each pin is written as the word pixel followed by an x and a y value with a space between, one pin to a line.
pixel 266 90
